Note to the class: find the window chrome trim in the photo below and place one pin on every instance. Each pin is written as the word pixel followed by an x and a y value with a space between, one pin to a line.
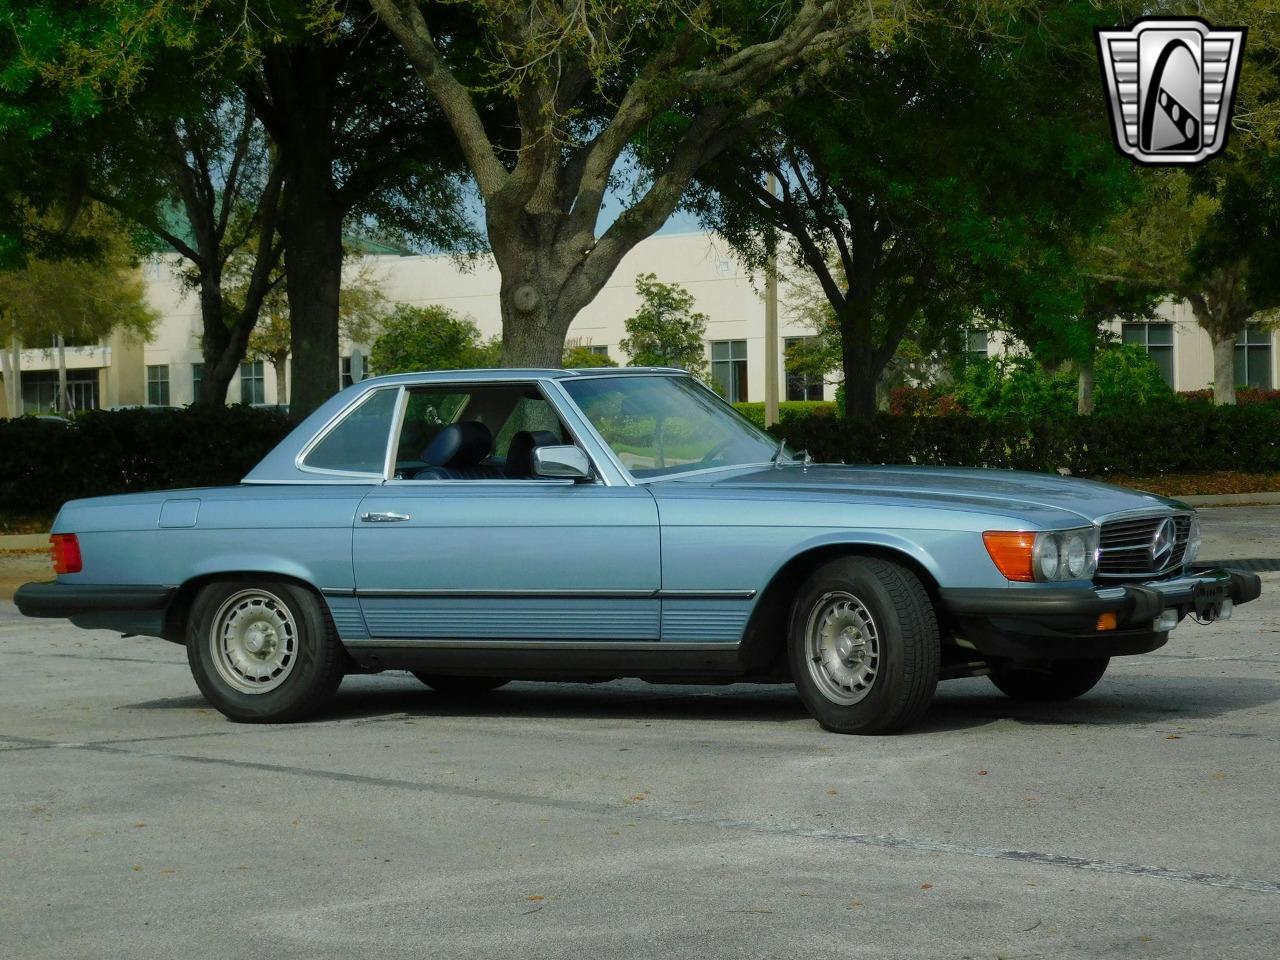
pixel 332 423
pixel 574 423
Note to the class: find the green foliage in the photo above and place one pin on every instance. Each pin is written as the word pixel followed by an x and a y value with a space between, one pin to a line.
pixel 939 177
pixel 127 451
pixel 80 299
pixel 1179 438
pixel 788 410
pixel 1125 378
pixel 582 357
pixel 666 331
pixel 1014 386
pixel 431 338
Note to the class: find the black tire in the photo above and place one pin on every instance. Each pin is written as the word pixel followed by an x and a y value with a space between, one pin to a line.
pixel 1056 680
pixel 308 678
pixel 460 685
pixel 907 646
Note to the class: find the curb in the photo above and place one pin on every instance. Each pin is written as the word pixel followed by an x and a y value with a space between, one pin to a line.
pixel 1232 500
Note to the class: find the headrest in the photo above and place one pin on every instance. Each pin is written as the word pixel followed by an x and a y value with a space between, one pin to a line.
pixel 520 453
pixel 459 445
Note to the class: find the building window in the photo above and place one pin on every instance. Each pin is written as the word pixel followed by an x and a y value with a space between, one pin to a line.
pixel 40 390
pixel 158 385
pixel 344 372
pixel 197 381
pixel 800 386
pixel 1253 358
pixel 1157 340
pixel 253 385
pixel 599 349
pixel 729 368
pixel 977 345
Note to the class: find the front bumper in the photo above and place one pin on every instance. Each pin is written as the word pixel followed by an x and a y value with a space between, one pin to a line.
pixel 1062 622
pixel 126 608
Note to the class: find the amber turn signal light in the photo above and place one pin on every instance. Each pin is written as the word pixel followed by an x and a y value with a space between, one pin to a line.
pixel 1011 552
pixel 66 553
pixel 1107 621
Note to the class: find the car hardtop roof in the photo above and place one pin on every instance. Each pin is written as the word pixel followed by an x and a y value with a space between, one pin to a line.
pixel 504 374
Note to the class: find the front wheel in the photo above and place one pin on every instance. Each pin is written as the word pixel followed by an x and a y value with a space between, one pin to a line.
pixel 263 652
pixel 863 646
pixel 1056 680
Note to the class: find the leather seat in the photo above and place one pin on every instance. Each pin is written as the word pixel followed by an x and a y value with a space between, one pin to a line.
pixel 456 452
pixel 519 463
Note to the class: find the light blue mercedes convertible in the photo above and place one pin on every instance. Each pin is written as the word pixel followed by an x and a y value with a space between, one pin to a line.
pixel 476 527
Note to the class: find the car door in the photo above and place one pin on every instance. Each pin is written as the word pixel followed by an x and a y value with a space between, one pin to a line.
pixel 507 559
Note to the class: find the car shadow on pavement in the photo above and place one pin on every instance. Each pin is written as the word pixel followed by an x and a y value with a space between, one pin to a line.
pixel 1128 700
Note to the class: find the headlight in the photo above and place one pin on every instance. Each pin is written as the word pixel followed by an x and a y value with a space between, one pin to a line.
pixel 1044 556
pixel 1193 540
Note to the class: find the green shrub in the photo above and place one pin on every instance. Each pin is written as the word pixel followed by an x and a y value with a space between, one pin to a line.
pixel 1014 386
pixel 1178 438
pixel 43 464
pixel 1126 377
pixel 788 410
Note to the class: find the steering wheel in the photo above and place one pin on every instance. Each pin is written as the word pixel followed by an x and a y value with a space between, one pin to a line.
pixel 715 451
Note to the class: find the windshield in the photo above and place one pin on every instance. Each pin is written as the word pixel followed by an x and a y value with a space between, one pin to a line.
pixel 660 425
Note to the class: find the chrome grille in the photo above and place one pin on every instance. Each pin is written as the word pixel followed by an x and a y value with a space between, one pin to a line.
pixel 1126 546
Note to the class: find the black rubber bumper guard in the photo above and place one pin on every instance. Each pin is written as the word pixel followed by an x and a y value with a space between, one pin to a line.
pixel 1062 623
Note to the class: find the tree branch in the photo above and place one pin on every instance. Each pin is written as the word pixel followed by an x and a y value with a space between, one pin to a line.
pixel 405 21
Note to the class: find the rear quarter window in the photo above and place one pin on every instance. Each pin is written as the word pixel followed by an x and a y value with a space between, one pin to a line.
pixel 358 443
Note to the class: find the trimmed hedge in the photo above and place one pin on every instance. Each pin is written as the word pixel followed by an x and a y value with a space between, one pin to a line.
pixel 1187 438
pixel 788 410
pixel 43 464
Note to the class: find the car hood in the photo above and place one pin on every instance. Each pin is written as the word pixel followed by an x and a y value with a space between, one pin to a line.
pixel 995 491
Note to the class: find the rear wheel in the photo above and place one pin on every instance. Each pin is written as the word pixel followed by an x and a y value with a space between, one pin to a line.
pixel 863 646
pixel 1056 680
pixel 460 685
pixel 263 651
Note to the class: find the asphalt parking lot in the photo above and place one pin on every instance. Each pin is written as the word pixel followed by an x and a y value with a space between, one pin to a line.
pixel 628 820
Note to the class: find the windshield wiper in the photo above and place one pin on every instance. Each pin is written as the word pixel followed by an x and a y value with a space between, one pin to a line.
pixel 776 460
pixel 802 456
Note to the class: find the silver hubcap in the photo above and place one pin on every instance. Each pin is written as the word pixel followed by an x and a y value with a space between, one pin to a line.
pixel 254 641
pixel 842 648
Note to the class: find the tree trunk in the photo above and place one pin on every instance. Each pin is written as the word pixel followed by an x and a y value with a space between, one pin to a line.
pixel 220 362
pixel 1084 393
pixel 861 376
pixel 281 364
pixel 537 296
pixel 1224 369
pixel 313 238
pixel 301 81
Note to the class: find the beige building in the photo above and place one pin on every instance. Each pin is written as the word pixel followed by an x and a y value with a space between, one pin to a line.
pixel 167 370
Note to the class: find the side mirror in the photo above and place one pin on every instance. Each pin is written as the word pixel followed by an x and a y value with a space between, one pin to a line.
pixel 561 463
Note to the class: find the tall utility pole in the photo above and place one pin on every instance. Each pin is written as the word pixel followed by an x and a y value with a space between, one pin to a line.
pixel 772 360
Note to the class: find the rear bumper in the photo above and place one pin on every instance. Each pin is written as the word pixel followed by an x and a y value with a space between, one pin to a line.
pixel 1061 623
pixel 126 608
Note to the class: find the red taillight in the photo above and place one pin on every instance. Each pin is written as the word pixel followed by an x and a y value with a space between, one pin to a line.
pixel 66 553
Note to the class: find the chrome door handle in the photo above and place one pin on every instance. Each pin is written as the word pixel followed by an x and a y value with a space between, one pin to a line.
pixel 387 517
